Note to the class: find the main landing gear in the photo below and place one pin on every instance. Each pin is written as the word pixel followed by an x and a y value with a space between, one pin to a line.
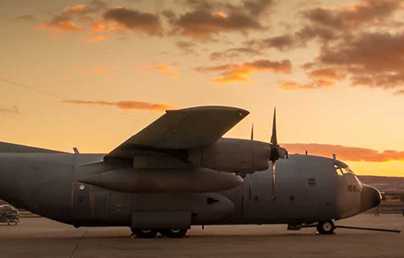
pixel 152 233
pixel 326 227
pixel 323 227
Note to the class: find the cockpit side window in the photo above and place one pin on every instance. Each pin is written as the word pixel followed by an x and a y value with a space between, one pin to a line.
pixel 339 170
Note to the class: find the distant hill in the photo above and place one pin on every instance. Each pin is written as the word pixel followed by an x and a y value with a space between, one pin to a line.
pixel 384 183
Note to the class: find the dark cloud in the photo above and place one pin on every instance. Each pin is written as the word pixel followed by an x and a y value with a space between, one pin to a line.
pixel 345 152
pixel 126 104
pixel 282 42
pixel 336 23
pixel 363 13
pixel 371 59
pixel 257 7
pixel 234 53
pixel 319 78
pixel 188 47
pixel 331 24
pixel 241 72
pixel 195 19
pixel 354 44
pixel 207 19
pixel 135 20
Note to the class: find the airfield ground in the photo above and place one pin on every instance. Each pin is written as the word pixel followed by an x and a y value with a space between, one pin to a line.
pixel 39 237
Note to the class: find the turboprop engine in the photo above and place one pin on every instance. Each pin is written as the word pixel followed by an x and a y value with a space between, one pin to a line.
pixel 233 155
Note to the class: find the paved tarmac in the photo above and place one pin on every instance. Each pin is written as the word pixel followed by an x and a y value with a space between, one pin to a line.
pixel 39 237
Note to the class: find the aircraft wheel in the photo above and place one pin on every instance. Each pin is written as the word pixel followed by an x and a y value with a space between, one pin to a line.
pixel 174 232
pixel 326 227
pixel 144 233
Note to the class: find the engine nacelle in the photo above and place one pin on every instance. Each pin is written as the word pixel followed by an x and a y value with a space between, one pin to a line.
pixel 233 155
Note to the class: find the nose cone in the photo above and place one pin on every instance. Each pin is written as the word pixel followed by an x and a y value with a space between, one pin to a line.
pixel 370 198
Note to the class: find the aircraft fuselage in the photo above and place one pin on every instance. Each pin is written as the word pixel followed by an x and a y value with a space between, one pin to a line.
pixel 308 189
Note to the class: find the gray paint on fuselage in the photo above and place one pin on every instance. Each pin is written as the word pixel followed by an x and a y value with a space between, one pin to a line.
pixel 305 192
pixel 46 184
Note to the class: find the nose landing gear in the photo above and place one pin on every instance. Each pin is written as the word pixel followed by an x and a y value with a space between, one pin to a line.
pixel 326 227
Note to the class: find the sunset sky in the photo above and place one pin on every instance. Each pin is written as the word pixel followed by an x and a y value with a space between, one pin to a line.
pixel 92 73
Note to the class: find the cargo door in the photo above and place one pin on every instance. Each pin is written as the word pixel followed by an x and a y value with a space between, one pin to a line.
pixel 99 199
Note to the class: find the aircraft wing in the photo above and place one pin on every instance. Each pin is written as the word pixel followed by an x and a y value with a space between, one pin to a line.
pixel 181 129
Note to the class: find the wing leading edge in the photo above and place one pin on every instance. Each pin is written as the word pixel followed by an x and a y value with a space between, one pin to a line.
pixel 182 129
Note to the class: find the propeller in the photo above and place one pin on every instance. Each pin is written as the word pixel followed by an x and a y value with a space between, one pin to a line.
pixel 276 152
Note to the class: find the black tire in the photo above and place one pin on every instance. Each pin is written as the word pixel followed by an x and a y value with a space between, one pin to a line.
pixel 174 232
pixel 326 227
pixel 144 233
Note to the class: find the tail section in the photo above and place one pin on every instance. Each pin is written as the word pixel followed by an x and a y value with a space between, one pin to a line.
pixel 16 148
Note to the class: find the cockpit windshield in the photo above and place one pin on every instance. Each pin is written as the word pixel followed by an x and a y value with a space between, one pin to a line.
pixel 344 171
pixel 342 168
pixel 347 170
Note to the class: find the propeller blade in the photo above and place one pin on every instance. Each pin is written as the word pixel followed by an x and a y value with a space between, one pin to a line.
pixel 273 180
pixel 274 137
pixel 252 132
pixel 276 153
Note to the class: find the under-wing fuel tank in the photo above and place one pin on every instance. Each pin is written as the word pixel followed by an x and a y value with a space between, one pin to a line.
pixel 184 180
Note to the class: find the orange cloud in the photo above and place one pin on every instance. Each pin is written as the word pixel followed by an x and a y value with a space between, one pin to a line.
pixel 60 26
pixel 320 78
pixel 242 72
pixel 125 105
pixel 293 85
pixel 76 9
pixel 69 20
pixel 167 70
pixel 95 17
pixel 346 152
pixel 326 74
pixel 106 26
pixel 97 38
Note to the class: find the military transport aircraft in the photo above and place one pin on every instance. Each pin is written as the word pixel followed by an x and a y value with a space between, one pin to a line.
pixel 179 171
